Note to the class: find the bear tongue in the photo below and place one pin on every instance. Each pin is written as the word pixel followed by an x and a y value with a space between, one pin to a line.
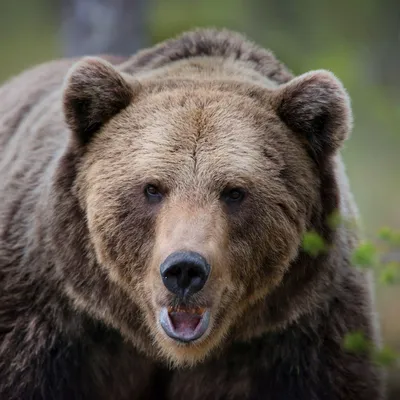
pixel 185 322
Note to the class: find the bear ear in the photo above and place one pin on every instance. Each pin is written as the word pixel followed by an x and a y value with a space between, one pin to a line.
pixel 316 106
pixel 93 93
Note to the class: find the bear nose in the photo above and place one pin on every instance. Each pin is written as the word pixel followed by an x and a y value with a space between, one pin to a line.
pixel 184 273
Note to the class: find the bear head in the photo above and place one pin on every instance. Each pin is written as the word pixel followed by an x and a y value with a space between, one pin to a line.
pixel 179 204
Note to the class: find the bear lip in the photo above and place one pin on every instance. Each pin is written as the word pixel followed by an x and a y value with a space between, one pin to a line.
pixel 184 324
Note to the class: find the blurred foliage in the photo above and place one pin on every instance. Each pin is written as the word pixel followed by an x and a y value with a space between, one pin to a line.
pixel 390 273
pixel 386 357
pixel 313 244
pixel 390 236
pixel 28 34
pixel 356 342
pixel 367 255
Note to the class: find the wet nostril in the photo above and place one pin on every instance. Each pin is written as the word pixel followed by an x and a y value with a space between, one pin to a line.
pixel 194 273
pixel 174 271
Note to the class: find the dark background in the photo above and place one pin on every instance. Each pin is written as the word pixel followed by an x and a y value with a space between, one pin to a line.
pixel 358 40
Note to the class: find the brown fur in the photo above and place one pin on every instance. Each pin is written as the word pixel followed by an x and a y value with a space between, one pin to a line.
pixel 80 250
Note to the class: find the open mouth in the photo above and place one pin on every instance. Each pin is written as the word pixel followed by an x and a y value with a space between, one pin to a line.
pixel 184 324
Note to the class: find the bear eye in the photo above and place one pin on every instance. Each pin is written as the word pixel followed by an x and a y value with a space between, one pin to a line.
pixel 153 194
pixel 235 195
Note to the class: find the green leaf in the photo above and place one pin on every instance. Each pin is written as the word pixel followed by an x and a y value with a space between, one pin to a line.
pixel 356 342
pixel 365 255
pixel 390 273
pixel 385 233
pixel 335 219
pixel 313 244
pixel 389 235
pixel 386 357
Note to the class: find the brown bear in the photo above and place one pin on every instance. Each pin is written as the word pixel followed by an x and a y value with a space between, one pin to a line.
pixel 151 219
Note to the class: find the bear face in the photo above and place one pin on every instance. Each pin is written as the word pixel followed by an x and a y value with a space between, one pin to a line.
pixel 195 195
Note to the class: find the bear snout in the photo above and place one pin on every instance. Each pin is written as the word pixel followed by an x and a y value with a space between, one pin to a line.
pixel 184 273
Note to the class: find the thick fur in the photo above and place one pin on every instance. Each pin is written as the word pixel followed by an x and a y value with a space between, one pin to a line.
pixel 80 247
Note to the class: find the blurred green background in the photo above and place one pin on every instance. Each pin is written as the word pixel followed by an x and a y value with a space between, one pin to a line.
pixel 358 40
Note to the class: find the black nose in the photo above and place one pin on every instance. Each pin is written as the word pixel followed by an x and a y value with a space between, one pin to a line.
pixel 184 273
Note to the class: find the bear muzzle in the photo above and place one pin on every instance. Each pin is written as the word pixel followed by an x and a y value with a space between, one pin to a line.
pixel 184 273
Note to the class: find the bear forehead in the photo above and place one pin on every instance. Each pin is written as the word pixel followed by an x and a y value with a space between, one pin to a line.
pixel 173 130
